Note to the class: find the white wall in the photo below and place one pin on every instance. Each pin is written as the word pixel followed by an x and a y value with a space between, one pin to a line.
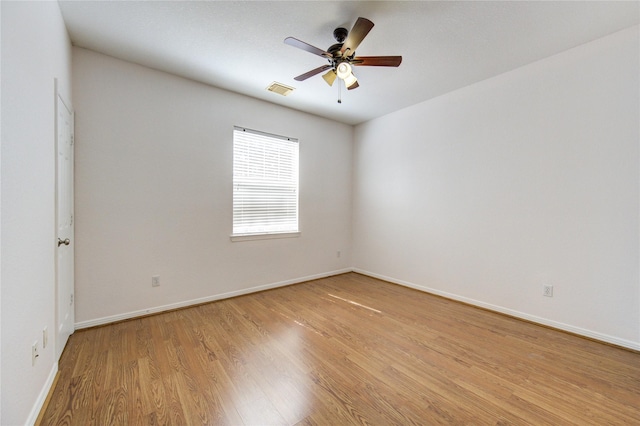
pixel 528 178
pixel 153 192
pixel 35 50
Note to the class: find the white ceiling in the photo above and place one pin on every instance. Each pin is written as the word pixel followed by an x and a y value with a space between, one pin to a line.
pixel 238 45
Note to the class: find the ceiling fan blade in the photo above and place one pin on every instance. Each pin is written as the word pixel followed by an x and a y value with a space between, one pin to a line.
pixel 359 31
pixel 377 61
pixel 353 86
pixel 306 46
pixel 311 73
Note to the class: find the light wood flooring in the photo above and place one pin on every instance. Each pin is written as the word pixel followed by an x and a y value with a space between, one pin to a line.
pixel 341 350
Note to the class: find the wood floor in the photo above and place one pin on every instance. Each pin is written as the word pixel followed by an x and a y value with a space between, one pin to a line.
pixel 342 350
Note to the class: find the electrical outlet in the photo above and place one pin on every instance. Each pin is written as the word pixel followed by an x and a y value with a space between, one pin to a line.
pixel 35 353
pixel 155 281
pixel 45 337
pixel 547 290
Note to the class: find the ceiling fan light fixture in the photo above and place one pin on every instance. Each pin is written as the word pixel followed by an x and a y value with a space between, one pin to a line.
pixel 342 55
pixel 343 70
pixel 350 80
pixel 330 77
pixel 353 86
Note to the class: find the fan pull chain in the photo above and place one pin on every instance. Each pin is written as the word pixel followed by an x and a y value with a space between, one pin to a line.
pixel 339 92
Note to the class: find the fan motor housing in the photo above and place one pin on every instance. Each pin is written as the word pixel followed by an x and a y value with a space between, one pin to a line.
pixel 335 49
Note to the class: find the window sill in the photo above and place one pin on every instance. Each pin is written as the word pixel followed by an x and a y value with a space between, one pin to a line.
pixel 272 236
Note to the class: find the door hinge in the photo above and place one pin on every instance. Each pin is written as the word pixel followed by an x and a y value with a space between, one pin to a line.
pixel 71 222
pixel 71 301
pixel 73 138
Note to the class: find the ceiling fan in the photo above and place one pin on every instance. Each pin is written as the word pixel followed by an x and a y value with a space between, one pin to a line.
pixel 342 55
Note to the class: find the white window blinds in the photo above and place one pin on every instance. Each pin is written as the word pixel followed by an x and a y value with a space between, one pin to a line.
pixel 265 183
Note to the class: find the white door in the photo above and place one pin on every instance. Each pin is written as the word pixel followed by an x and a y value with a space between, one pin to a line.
pixel 64 219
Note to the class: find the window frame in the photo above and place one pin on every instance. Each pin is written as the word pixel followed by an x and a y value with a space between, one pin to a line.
pixel 236 182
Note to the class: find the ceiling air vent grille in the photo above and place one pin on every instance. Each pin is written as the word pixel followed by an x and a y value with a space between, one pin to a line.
pixel 280 89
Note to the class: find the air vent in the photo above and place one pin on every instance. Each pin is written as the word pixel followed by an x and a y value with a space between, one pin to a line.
pixel 280 89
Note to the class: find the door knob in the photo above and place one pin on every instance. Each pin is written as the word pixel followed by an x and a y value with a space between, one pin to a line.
pixel 66 242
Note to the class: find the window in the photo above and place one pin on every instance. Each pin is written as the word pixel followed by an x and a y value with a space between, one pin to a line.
pixel 265 184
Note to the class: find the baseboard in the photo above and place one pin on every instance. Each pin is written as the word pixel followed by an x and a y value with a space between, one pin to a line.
pixel 186 303
pixel 42 397
pixel 517 314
